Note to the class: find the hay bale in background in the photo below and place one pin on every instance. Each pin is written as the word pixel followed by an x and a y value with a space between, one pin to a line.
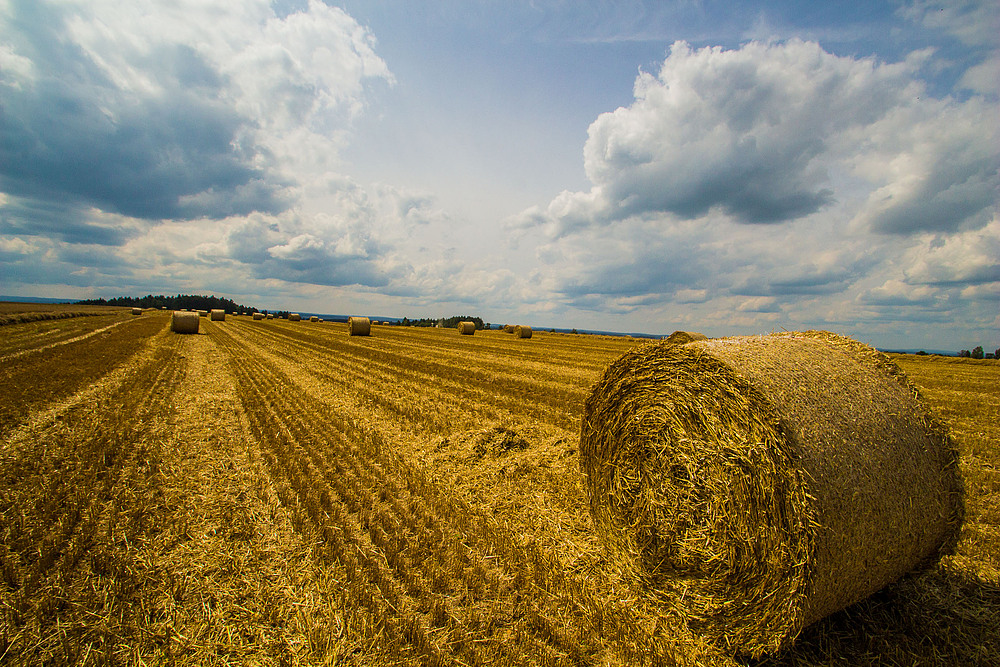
pixel 202 313
pixel 218 315
pixel 681 337
pixel 522 331
pixel 294 317
pixel 270 316
pixel 258 316
pixel 314 318
pixel 466 328
pixel 359 326
pixel 508 328
pixel 758 484
pixel 137 311
pixel 185 323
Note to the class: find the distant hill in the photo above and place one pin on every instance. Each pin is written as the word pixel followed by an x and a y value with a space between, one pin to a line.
pixel 179 302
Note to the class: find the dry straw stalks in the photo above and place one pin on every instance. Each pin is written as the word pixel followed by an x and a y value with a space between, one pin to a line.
pixel 758 484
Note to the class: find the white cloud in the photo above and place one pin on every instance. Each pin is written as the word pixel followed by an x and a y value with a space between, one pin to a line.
pixel 769 133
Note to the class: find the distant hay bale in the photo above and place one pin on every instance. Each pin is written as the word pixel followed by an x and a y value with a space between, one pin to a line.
pixel 137 311
pixel 522 331
pixel 359 326
pixel 185 323
pixel 294 317
pixel 270 316
pixel 681 337
pixel 508 328
pixel 258 316
pixel 758 484
pixel 314 318
pixel 218 315
pixel 202 313
pixel 466 328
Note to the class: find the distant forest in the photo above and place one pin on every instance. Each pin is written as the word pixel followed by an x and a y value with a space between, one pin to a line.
pixel 447 323
pixel 179 302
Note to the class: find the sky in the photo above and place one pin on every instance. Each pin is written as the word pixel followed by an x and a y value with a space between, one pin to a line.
pixel 723 167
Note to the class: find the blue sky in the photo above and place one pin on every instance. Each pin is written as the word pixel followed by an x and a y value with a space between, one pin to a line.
pixel 722 167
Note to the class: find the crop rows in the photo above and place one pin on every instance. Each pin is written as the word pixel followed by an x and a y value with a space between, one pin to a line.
pixel 448 584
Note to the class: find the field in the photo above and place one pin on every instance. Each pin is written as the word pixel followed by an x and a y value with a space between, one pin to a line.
pixel 277 493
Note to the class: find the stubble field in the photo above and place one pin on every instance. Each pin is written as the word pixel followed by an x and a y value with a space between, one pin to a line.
pixel 270 492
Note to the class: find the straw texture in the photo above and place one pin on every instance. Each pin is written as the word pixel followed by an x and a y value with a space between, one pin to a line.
pixel 218 315
pixel 466 328
pixel 182 322
pixel 522 331
pixel 758 484
pixel 359 326
pixel 681 337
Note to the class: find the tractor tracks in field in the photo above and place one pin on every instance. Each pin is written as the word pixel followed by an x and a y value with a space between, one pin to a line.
pixel 439 582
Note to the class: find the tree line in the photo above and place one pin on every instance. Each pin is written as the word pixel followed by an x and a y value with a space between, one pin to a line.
pixel 179 302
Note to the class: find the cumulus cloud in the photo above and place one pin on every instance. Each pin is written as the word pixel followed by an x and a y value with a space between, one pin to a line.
pixel 774 132
pixel 167 111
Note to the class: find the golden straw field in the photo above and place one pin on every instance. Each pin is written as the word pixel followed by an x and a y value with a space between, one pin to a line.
pixel 281 493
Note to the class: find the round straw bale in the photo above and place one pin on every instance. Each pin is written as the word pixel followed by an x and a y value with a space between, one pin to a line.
pixel 182 322
pixel 270 316
pixel 294 317
pixel 758 484
pixel 258 316
pixel 681 337
pixel 202 313
pixel 508 328
pixel 314 318
pixel 522 331
pixel 218 315
pixel 137 311
pixel 466 328
pixel 359 326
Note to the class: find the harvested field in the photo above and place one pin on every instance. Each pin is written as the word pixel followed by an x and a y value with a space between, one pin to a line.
pixel 289 495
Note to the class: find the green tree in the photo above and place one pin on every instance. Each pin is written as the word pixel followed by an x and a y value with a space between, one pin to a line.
pixel 977 352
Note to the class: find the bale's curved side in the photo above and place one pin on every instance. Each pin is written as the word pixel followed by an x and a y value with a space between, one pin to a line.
pixel 185 323
pixel 359 326
pixel 467 328
pixel 218 315
pixel 258 316
pixel 522 331
pixel 758 484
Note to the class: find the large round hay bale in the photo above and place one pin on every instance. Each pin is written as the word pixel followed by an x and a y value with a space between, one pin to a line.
pixel 294 317
pixel 137 311
pixel 183 322
pixel 508 328
pixel 314 318
pixel 522 331
pixel 218 315
pixel 681 337
pixel 358 326
pixel 466 328
pixel 758 484
pixel 258 316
